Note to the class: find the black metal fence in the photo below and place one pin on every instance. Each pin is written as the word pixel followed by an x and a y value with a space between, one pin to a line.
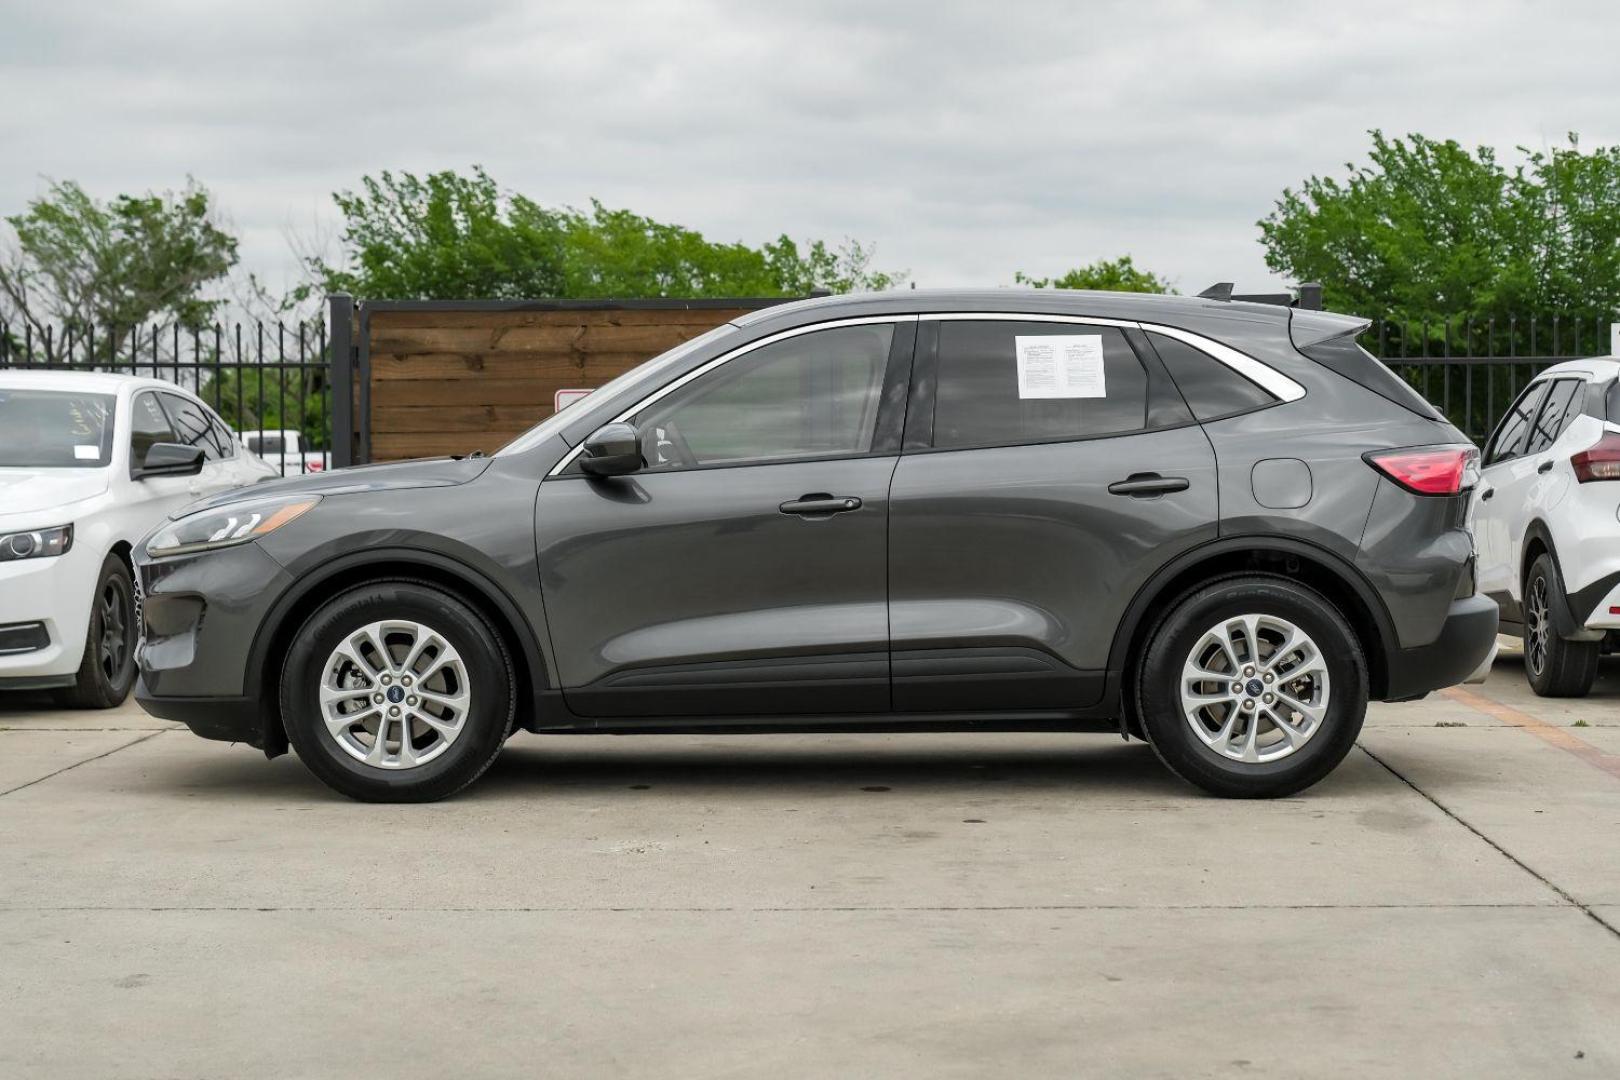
pixel 1474 368
pixel 263 379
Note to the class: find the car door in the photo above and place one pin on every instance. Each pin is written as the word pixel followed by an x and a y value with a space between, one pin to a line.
pixel 1505 477
pixel 1029 508
pixel 148 425
pixel 194 427
pixel 741 572
pixel 1543 481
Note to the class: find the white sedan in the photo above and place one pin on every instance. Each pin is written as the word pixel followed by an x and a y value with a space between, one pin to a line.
pixel 89 463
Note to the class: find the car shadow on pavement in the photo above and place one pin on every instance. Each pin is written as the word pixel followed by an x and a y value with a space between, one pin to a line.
pixel 1510 665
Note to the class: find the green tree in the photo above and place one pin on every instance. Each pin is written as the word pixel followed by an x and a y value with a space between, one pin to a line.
pixel 1112 275
pixel 78 262
pixel 449 236
pixel 1429 231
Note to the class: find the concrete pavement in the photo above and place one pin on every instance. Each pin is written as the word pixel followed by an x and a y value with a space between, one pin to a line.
pixel 1446 904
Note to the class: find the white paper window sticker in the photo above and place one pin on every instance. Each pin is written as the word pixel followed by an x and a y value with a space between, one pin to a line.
pixel 1060 366
pixel 82 452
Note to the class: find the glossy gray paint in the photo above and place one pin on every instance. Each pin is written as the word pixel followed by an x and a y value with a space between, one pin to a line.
pixel 970 585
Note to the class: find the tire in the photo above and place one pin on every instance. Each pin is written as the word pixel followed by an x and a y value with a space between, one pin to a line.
pixel 458 657
pixel 107 670
pixel 1325 668
pixel 1555 667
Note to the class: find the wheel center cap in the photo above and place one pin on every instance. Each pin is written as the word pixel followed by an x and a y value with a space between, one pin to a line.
pixel 396 695
pixel 1254 688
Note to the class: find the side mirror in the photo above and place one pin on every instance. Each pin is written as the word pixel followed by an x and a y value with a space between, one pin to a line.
pixel 612 450
pixel 169 459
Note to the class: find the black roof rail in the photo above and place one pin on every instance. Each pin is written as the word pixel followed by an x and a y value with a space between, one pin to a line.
pixel 1307 297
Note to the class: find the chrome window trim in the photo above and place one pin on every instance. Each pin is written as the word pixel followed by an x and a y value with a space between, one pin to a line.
pixel 741 350
pixel 1266 377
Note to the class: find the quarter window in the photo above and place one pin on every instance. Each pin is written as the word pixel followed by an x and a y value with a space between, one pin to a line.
pixel 1211 388
pixel 809 396
pixel 1555 414
pixel 1088 384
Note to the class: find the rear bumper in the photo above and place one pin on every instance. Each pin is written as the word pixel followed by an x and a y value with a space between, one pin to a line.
pixel 1467 639
pixel 226 719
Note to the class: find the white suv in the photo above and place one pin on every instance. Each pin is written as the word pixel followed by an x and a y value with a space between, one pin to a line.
pixel 89 463
pixel 1546 518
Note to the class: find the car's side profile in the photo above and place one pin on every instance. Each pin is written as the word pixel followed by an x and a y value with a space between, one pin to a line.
pixel 1547 513
pixel 1218 526
pixel 89 463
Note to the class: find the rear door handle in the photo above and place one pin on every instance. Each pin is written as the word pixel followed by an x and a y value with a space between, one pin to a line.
pixel 1148 485
pixel 820 504
pixel 1545 466
pixel 1485 495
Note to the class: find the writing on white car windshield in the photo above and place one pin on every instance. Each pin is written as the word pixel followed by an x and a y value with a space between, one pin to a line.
pixel 55 429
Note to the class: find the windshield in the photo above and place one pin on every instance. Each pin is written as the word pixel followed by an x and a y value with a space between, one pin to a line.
pixel 55 429
pixel 554 423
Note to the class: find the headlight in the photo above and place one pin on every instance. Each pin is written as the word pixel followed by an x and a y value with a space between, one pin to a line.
pixel 36 544
pixel 223 526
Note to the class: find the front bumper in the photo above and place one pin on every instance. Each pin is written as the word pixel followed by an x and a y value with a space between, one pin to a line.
pixel 227 719
pixel 55 592
pixel 1467 640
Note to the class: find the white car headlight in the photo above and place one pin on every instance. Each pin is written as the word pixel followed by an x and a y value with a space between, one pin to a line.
pixel 36 543
pixel 222 526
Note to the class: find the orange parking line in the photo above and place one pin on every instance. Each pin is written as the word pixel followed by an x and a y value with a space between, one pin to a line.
pixel 1551 734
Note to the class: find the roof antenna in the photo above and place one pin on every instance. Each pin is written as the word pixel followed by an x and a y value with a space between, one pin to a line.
pixel 1219 291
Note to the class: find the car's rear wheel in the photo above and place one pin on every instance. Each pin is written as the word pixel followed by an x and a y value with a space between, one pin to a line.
pixel 1554 666
pixel 1252 687
pixel 107 670
pixel 397 691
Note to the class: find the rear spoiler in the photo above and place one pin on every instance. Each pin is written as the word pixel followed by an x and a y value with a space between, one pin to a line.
pixel 1308 297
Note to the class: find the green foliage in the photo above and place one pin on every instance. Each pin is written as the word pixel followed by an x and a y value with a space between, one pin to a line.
pixel 448 236
pixel 1429 230
pixel 1112 275
pixel 79 262
pixel 272 400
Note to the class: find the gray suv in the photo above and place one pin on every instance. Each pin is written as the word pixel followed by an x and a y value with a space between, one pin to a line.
pixel 1218 526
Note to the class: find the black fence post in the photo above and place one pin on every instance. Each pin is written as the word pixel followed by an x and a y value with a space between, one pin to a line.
pixel 340 308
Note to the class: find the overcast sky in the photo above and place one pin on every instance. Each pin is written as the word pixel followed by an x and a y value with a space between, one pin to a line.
pixel 963 141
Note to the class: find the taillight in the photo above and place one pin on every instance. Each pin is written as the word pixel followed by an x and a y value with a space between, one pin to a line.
pixel 1444 470
pixel 1599 462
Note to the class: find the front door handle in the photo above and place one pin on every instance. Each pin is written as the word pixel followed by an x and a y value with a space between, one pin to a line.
pixel 820 504
pixel 1148 485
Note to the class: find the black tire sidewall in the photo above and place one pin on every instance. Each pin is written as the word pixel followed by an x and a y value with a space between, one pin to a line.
pixel 1158 694
pixel 115 689
pixel 488 673
pixel 1570 666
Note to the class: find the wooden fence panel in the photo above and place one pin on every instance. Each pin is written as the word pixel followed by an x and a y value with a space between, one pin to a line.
pixel 448 380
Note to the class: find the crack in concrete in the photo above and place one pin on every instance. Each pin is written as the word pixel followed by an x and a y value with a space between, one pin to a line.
pixel 76 764
pixel 1567 896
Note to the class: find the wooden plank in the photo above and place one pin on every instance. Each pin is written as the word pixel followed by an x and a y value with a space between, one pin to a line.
pixel 396 419
pixel 650 340
pixel 463 392
pixel 393 447
pixel 700 317
pixel 559 367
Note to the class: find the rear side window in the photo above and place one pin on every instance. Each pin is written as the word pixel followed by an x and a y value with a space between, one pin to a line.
pixel 1508 442
pixel 1004 383
pixel 1556 413
pixel 1343 356
pixel 1212 389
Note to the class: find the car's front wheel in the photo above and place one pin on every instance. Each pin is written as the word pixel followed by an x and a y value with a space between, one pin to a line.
pixel 1252 687
pixel 1554 666
pixel 107 669
pixel 397 691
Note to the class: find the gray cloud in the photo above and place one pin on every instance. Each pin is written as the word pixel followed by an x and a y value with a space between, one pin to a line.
pixel 965 141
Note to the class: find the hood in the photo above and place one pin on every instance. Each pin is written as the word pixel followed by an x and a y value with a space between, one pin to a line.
pixel 356 480
pixel 28 491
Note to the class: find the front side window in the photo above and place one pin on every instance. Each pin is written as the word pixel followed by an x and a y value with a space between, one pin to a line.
pixel 148 425
pixel 809 396
pixel 55 429
pixel 1003 383
pixel 1509 440
pixel 192 426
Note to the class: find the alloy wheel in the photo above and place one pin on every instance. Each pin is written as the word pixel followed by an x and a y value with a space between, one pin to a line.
pixel 1255 688
pixel 395 694
pixel 112 648
pixel 1537 625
